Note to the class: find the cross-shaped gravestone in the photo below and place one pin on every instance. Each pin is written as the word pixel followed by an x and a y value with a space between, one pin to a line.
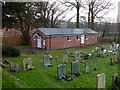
pixel 47 61
pixel 86 68
pixel 115 81
pixel 61 70
pixel 101 81
pixel 112 61
pixel 75 67
pixel 14 67
pixel 27 64
pixel 65 58
pixel 118 60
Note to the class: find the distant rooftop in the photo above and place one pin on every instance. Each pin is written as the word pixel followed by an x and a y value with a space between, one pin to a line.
pixel 66 31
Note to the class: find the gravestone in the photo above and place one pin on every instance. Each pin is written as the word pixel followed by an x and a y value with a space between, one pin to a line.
pixel 111 47
pixel 86 56
pixel 61 70
pixel 101 81
pixel 86 68
pixel 47 61
pixel 75 67
pixel 92 54
pixel 77 56
pixel 65 58
pixel 118 60
pixel 117 46
pixel 115 81
pixel 27 64
pixel 112 61
pixel 14 67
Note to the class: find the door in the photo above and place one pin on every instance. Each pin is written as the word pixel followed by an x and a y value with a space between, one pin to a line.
pixel 39 42
pixel 82 39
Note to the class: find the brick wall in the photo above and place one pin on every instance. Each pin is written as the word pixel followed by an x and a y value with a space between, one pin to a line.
pixel 58 42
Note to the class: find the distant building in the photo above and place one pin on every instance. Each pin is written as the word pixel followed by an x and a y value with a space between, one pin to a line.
pixel 58 38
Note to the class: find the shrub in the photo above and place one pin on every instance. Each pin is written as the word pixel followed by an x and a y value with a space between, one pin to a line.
pixel 9 51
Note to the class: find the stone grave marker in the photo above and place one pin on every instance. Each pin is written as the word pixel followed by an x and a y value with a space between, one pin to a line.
pixel 77 56
pixel 115 81
pixel 61 70
pixel 111 47
pixel 14 67
pixel 117 46
pixel 118 60
pixel 101 81
pixel 112 62
pixel 47 61
pixel 65 58
pixel 92 54
pixel 27 64
pixel 86 68
pixel 75 67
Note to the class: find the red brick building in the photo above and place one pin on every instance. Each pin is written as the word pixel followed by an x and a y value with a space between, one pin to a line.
pixel 58 38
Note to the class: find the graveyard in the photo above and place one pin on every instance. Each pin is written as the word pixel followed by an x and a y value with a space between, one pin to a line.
pixel 42 74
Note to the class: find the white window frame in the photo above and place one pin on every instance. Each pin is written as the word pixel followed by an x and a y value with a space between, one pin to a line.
pixel 78 37
pixel 68 38
pixel 86 37
pixel 92 35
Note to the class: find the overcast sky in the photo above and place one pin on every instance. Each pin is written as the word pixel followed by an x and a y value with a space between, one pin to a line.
pixel 112 14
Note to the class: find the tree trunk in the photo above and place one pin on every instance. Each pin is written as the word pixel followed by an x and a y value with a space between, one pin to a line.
pixel 77 23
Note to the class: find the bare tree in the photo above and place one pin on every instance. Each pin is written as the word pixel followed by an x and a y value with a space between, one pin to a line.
pixel 50 13
pixel 77 4
pixel 95 7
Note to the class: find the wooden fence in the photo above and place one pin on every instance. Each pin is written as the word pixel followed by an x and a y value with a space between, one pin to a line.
pixel 12 40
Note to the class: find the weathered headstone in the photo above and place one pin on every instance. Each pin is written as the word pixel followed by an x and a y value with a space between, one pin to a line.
pixel 47 61
pixel 27 64
pixel 77 56
pixel 61 70
pixel 101 81
pixel 117 46
pixel 86 68
pixel 118 60
pixel 111 47
pixel 75 67
pixel 14 67
pixel 112 62
pixel 92 54
pixel 115 81
pixel 65 58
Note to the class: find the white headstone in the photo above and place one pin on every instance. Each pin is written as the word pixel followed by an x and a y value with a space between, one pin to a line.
pixel 101 81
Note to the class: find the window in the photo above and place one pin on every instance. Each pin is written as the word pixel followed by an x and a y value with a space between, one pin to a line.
pixel 92 36
pixel 86 37
pixel 78 37
pixel 69 38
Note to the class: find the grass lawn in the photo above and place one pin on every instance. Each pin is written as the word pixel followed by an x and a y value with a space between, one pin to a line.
pixel 44 77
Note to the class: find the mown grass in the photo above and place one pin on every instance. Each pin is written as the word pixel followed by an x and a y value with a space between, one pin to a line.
pixel 44 77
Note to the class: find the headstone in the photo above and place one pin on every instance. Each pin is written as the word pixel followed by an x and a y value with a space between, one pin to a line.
pixel 87 68
pixel 92 54
pixel 118 60
pixel 61 70
pixel 97 49
pixel 47 61
pixel 75 67
pixel 14 67
pixel 27 64
pixel 111 47
pixel 77 56
pixel 65 58
pixel 101 81
pixel 117 46
pixel 112 61
pixel 86 56
pixel 115 81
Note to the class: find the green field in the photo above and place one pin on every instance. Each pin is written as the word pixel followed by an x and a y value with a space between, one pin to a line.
pixel 44 77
